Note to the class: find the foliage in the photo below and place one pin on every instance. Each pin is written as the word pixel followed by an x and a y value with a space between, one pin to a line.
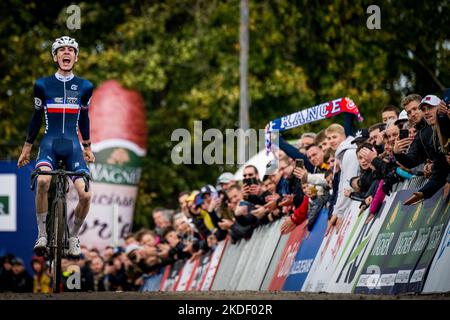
pixel 183 57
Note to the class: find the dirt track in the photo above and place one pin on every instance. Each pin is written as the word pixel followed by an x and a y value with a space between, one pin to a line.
pixel 214 295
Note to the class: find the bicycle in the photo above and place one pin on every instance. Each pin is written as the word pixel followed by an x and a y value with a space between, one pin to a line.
pixel 56 224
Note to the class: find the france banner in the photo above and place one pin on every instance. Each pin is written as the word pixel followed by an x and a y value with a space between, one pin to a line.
pixel 319 112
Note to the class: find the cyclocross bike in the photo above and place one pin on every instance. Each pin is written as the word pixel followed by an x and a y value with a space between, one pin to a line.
pixel 56 222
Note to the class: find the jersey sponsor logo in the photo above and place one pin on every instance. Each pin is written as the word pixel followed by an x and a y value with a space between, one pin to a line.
pixel 37 102
pixel 59 100
pixel 74 87
pixel 71 100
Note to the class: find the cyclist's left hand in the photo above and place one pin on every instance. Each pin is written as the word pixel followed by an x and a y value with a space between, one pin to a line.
pixel 88 155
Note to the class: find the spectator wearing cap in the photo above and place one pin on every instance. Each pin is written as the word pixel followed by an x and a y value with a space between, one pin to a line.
pixel 212 204
pixel 361 136
pixel 390 112
pixel 225 181
pixel 376 133
pixel 41 278
pixel 402 122
pixel 429 142
pixel 200 217
pixel 21 281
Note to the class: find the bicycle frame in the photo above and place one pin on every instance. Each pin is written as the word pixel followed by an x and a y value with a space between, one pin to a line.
pixel 57 228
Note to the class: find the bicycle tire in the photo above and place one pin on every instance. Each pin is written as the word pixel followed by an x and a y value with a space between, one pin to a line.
pixel 58 233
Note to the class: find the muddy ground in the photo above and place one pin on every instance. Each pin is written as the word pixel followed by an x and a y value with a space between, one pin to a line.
pixel 213 295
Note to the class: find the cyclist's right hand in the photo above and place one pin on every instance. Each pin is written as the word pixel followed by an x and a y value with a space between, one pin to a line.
pixel 24 158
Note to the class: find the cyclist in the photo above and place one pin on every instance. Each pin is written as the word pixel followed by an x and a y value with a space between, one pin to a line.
pixel 64 100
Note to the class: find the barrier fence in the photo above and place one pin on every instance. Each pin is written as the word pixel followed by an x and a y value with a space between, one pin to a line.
pixel 404 249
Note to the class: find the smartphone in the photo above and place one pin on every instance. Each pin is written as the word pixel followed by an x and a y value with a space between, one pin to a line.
pixel 300 163
pixel 404 133
pixel 446 97
pixel 250 181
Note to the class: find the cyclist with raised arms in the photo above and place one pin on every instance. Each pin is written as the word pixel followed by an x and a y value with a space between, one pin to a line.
pixel 64 101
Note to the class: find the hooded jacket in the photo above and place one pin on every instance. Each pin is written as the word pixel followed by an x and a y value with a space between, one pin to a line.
pixel 348 161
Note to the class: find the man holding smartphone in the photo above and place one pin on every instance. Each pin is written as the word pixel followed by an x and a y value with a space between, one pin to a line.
pixel 429 143
pixel 251 185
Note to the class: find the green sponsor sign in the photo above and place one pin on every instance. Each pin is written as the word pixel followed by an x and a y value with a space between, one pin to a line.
pixel 404 247
pixel 116 166
pixel 4 205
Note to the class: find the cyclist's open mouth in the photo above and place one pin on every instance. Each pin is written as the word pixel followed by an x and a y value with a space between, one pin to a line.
pixel 66 61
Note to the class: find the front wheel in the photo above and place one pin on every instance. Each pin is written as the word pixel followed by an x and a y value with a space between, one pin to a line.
pixel 57 249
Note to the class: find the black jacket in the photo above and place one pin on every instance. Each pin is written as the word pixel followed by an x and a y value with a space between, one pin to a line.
pixel 426 146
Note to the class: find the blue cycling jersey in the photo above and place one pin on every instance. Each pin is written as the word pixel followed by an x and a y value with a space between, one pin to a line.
pixel 64 100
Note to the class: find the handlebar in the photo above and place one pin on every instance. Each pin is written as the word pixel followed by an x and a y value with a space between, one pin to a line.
pixel 86 177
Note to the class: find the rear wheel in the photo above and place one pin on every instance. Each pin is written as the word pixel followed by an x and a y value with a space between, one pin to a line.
pixel 58 233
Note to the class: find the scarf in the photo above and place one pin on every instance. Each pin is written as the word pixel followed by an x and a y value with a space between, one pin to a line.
pixel 319 112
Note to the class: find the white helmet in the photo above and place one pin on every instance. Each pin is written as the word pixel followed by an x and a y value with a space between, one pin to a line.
pixel 63 42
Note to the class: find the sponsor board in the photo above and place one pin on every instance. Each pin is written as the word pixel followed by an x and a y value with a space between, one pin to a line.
pixel 213 265
pixel 305 256
pixel 173 277
pixel 8 202
pixel 200 272
pixel 404 247
pixel 438 279
pixel 330 251
pixel 188 272
pixel 287 257
pixel 357 249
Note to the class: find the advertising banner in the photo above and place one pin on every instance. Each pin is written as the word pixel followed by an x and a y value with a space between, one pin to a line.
pixel 200 272
pixel 438 279
pixel 405 246
pixel 287 257
pixel 175 271
pixel 151 283
pixel 186 276
pixel 305 256
pixel 357 249
pixel 18 229
pixel 213 265
pixel 8 202
pixel 119 141
pixel 330 251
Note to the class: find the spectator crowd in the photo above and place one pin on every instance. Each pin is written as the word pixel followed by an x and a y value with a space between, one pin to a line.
pixel 324 170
